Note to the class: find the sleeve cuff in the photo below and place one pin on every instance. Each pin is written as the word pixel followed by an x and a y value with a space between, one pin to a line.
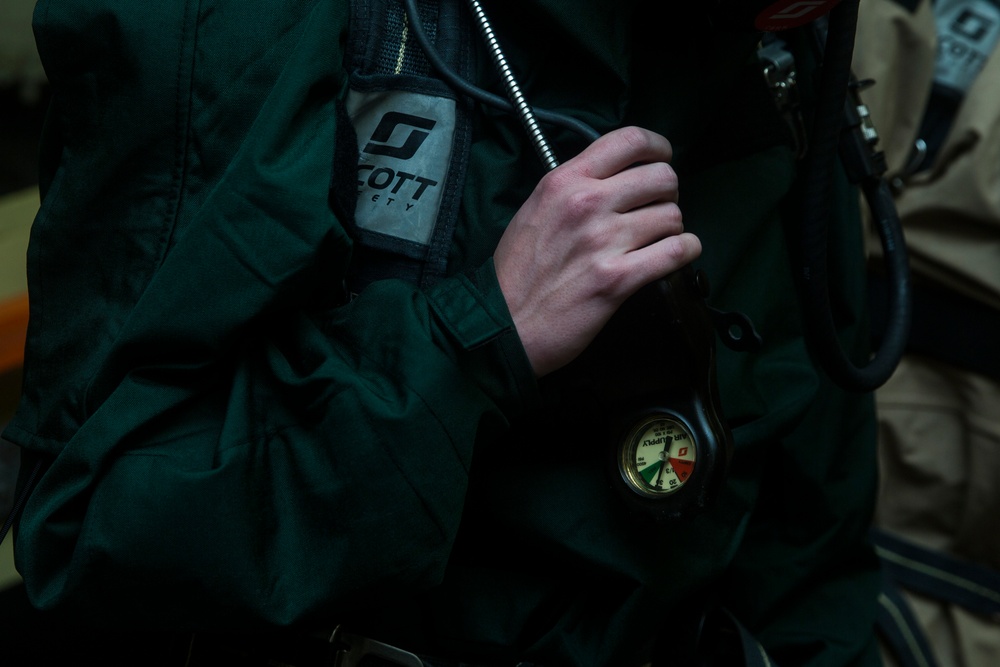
pixel 472 310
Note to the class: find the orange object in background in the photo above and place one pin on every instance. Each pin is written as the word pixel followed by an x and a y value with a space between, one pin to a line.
pixel 13 330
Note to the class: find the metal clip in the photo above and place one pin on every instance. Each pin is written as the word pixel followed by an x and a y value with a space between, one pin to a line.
pixel 914 164
pixel 352 649
pixel 859 140
pixel 778 66
pixel 862 116
pixel 779 71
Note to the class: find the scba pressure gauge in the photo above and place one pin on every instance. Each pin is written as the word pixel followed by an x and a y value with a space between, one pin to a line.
pixel 648 382
pixel 658 456
pixel 670 463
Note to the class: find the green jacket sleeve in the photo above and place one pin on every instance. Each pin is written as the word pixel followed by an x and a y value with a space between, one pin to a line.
pixel 225 443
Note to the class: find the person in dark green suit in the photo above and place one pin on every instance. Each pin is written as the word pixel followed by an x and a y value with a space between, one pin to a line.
pixel 302 317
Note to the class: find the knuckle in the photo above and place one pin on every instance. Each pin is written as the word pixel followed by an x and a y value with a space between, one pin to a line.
pixel 676 250
pixel 634 138
pixel 551 183
pixel 673 216
pixel 595 238
pixel 665 175
pixel 583 203
pixel 683 248
pixel 610 275
pixel 640 141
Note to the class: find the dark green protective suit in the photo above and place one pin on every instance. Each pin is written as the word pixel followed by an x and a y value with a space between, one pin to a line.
pixel 228 444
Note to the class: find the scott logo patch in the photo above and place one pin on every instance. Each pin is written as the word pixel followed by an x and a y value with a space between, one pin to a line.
pixel 405 143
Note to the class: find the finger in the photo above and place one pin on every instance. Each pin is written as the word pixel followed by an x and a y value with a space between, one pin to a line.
pixel 641 185
pixel 620 149
pixel 665 256
pixel 652 223
pixel 638 228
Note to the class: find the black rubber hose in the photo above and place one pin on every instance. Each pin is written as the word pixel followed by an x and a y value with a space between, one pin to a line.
pixel 818 203
pixel 483 96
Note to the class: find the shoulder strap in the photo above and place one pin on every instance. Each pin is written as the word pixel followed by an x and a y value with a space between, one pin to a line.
pixel 414 136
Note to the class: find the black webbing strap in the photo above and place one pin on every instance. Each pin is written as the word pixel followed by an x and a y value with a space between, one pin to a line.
pixel 900 629
pixel 938 575
pixel 385 59
pixel 934 575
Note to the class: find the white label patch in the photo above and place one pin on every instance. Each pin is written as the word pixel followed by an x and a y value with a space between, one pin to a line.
pixel 405 143
pixel 968 31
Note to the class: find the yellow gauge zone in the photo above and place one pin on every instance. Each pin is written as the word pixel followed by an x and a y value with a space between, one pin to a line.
pixel 658 456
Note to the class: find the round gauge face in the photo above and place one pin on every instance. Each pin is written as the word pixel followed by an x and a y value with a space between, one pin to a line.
pixel 658 456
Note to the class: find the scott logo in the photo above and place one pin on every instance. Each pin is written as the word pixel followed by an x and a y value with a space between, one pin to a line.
pixel 791 13
pixel 972 26
pixel 378 144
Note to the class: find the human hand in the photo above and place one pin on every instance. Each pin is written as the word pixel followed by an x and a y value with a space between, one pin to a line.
pixel 595 230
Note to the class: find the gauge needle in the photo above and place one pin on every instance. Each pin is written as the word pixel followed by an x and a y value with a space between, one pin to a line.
pixel 663 464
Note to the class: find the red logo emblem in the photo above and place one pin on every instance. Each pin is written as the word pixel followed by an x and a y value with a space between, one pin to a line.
pixel 786 14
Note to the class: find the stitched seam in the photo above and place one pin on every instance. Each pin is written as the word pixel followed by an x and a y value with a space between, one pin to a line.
pixel 182 123
pixel 402 46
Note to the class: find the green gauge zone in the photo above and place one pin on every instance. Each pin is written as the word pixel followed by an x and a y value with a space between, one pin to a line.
pixel 657 457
